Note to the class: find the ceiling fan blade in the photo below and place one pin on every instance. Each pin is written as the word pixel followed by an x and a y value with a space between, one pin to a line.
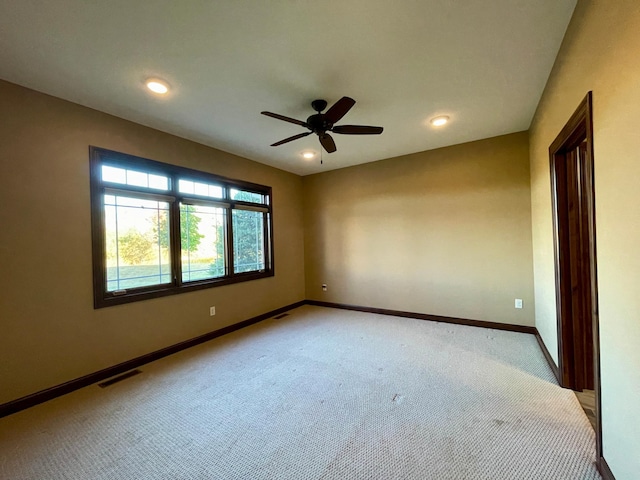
pixel 286 119
pixel 328 143
pixel 339 109
pixel 291 139
pixel 357 130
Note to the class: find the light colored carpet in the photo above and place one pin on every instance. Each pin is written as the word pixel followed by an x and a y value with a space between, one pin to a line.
pixel 319 394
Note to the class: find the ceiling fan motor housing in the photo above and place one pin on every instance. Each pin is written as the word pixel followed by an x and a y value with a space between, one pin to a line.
pixel 319 123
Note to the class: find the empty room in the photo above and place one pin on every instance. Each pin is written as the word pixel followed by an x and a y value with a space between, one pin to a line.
pixel 319 240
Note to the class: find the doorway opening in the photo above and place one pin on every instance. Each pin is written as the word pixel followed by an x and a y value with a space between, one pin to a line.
pixel 573 198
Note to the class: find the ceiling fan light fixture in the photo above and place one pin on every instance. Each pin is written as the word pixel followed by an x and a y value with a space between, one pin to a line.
pixel 308 155
pixel 439 120
pixel 157 86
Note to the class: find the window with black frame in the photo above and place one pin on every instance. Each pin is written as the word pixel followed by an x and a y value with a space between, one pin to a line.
pixel 160 229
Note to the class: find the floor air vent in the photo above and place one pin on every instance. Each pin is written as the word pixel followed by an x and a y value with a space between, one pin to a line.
pixel 119 378
pixel 282 315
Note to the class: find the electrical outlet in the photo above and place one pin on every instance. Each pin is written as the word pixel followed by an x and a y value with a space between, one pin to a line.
pixel 324 287
pixel 518 303
pixel 212 311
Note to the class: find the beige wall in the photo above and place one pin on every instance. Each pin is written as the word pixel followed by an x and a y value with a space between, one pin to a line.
pixel 444 232
pixel 601 52
pixel 49 331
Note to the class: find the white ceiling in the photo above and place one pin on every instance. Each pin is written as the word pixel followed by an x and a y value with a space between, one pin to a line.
pixel 483 63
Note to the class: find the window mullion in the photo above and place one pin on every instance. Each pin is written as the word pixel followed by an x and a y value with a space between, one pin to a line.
pixel 229 251
pixel 175 244
pixel 265 241
pixel 130 192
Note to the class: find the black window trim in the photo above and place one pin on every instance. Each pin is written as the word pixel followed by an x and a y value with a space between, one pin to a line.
pixel 99 156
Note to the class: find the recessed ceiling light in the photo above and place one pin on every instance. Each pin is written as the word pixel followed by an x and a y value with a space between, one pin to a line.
pixel 157 86
pixel 308 155
pixel 439 121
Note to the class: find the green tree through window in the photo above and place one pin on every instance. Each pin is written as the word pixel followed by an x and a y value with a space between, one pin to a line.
pixel 217 267
pixel 190 237
pixel 248 236
pixel 136 248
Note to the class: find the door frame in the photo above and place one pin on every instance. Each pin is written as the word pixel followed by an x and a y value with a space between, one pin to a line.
pixel 579 126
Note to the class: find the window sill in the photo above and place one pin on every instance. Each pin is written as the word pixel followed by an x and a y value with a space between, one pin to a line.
pixel 147 294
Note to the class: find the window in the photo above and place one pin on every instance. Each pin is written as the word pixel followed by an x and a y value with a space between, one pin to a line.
pixel 159 229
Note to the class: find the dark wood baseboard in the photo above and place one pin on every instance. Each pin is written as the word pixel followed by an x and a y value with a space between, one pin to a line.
pixel 604 469
pixel 72 385
pixel 19 404
pixel 42 396
pixel 423 316
pixel 549 358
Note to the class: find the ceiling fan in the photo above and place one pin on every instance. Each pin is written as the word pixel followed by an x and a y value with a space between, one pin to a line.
pixel 322 123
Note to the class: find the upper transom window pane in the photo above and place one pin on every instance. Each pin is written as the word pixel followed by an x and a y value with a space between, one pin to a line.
pixel 139 179
pixel 200 188
pixel 134 178
pixel 159 182
pixel 246 196
pixel 112 174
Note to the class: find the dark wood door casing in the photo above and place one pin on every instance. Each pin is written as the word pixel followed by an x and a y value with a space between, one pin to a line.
pixel 573 204
pixel 578 330
pixel 586 219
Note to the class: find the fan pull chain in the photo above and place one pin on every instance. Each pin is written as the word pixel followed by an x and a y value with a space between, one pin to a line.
pixel 321 156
